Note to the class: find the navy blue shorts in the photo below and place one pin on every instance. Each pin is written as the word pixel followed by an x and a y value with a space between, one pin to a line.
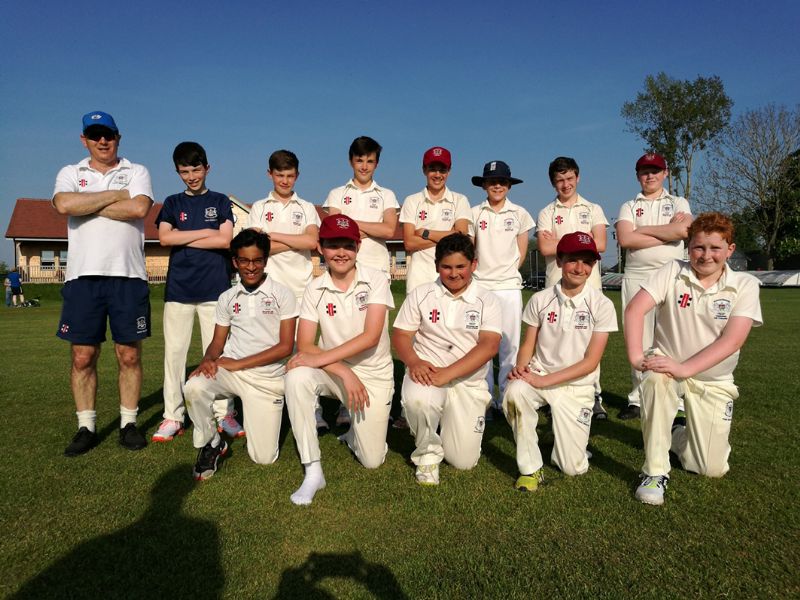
pixel 88 301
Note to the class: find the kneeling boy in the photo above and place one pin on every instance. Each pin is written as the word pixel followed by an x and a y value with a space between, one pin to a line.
pixel 704 312
pixel 253 334
pixel 558 363
pixel 349 304
pixel 446 333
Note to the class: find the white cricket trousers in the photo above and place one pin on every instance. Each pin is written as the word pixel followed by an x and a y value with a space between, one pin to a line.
pixel 178 325
pixel 367 434
pixel 457 410
pixel 262 404
pixel 571 410
pixel 702 446
pixel 630 287
pixel 511 303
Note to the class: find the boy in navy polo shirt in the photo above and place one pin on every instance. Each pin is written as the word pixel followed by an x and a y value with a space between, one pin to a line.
pixel 198 226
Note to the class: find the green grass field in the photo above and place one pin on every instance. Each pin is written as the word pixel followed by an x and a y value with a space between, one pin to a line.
pixel 117 524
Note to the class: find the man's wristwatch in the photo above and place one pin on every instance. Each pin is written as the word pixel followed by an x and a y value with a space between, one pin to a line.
pixel 425 234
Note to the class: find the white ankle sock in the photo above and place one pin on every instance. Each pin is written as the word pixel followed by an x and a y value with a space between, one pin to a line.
pixel 87 418
pixel 127 415
pixel 313 482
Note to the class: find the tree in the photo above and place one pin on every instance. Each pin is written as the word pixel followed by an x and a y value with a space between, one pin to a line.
pixel 677 119
pixel 754 171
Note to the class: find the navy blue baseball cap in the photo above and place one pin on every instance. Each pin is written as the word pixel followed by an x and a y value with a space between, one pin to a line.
pixel 495 169
pixel 98 117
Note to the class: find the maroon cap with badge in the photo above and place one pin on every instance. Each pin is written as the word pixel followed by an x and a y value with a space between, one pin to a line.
pixel 437 154
pixel 651 159
pixel 338 227
pixel 577 242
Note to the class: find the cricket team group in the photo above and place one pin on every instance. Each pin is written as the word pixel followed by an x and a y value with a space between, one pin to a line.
pixel 280 336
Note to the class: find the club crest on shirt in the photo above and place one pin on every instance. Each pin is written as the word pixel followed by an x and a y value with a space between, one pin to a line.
pixel 268 306
pixel 585 416
pixel 721 308
pixel 508 224
pixel 119 181
pixel 667 209
pixel 297 218
pixel 472 320
pixel 211 213
pixel 373 201
pixel 583 218
pixel 361 300
pixel 728 411
pixel 480 424
pixel 141 324
pixel 447 214
pixel 581 319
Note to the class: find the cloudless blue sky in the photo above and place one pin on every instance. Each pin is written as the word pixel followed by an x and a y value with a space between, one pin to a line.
pixel 522 82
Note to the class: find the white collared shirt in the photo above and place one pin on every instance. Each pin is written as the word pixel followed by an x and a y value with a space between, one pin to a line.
pixel 447 326
pixel 566 326
pixel 368 206
pixel 292 268
pixel 560 220
pixel 690 318
pixel 440 215
pixel 255 319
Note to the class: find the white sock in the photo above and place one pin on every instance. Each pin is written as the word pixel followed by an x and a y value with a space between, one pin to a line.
pixel 127 415
pixel 87 418
pixel 313 482
pixel 216 440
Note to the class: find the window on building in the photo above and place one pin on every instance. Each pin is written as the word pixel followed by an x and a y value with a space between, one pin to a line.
pixel 48 259
pixel 62 258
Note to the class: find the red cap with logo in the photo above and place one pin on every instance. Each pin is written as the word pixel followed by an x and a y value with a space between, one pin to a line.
pixel 651 159
pixel 339 226
pixel 577 242
pixel 437 154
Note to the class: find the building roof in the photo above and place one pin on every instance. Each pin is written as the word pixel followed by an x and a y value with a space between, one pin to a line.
pixel 34 218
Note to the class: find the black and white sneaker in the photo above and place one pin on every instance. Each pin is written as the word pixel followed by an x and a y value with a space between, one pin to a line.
pixel 83 441
pixel 651 489
pixel 629 412
pixel 131 438
pixel 599 412
pixel 208 460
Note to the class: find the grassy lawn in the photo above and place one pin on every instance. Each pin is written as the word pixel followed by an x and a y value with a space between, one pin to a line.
pixel 116 524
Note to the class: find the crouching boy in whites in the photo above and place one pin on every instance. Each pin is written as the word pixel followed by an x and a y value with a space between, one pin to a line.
pixel 703 313
pixel 445 333
pixel 349 305
pixel 558 363
pixel 254 333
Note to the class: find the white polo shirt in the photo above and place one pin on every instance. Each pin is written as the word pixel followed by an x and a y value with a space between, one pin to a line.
pixel 424 213
pixel 341 316
pixel 690 318
pixel 99 245
pixel 643 212
pixel 496 244
pixel 368 206
pixel 292 268
pixel 255 321
pixel 447 326
pixel 561 220
pixel 566 326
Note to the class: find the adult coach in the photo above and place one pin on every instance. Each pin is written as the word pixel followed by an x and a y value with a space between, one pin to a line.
pixel 106 198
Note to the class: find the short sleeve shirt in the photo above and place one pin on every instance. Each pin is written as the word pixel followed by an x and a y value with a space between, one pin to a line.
pixel 99 245
pixel 643 212
pixel 196 274
pixel 566 326
pixel 690 318
pixel 341 316
pixel 561 220
pixel 447 327
pixel 292 268
pixel 255 319
pixel 440 215
pixel 496 244
pixel 368 206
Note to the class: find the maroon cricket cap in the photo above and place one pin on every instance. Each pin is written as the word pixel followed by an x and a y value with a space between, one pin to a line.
pixel 577 242
pixel 651 159
pixel 339 226
pixel 437 154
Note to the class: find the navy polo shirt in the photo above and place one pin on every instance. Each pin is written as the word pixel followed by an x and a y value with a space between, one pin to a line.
pixel 196 274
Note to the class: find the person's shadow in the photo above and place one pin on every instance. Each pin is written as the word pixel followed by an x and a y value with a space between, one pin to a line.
pixel 162 554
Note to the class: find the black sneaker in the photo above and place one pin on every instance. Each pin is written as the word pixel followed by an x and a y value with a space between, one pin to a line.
pixel 599 412
pixel 208 460
pixel 680 420
pixel 131 438
pixel 83 441
pixel 629 412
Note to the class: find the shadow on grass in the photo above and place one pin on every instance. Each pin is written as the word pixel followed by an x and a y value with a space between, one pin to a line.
pixel 304 581
pixel 162 552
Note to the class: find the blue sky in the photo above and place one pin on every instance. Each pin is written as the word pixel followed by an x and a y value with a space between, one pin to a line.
pixel 522 82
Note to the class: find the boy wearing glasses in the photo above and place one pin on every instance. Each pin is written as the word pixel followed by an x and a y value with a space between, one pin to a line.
pixel 500 230
pixel 197 225
pixel 430 215
pixel 349 305
pixel 254 333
